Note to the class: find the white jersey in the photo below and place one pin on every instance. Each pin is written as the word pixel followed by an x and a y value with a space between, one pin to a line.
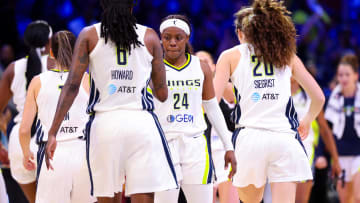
pixel 18 84
pixel 74 122
pixel 182 112
pixel 119 79
pixel 263 94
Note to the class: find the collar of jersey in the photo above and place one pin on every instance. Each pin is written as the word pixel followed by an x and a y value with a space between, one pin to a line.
pixel 181 67
pixel 58 71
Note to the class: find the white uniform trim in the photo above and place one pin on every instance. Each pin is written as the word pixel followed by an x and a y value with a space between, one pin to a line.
pixel 335 114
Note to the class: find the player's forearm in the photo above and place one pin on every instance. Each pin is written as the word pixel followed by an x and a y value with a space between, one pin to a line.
pixel 66 99
pixel 217 120
pixel 24 138
pixel 329 142
pixel 315 108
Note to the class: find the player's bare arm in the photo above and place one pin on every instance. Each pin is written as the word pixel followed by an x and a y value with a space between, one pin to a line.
pixel 71 88
pixel 158 74
pixel 225 66
pixel 216 117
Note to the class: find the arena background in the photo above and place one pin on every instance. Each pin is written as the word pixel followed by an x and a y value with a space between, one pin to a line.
pixel 327 29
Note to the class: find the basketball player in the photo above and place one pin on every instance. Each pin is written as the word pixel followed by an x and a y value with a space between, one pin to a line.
pixel 319 127
pixel 42 97
pixel 227 192
pixel 342 114
pixel 190 83
pixel 14 83
pixel 124 137
pixel 267 140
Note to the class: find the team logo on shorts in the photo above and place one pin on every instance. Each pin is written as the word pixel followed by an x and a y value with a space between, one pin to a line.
pixel 112 89
pixel 170 118
pixel 255 97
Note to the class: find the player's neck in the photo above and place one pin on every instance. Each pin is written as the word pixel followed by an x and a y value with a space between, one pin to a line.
pixel 349 91
pixel 178 62
pixel 61 69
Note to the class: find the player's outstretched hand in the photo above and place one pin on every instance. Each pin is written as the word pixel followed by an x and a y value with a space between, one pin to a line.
pixel 50 150
pixel 28 161
pixel 304 128
pixel 230 158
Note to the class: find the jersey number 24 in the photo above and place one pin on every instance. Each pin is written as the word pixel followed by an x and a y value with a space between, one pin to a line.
pixel 181 102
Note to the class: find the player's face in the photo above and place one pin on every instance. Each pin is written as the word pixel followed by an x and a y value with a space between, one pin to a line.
pixel 174 42
pixel 346 75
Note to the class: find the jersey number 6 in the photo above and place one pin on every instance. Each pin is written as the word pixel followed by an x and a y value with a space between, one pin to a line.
pixel 121 55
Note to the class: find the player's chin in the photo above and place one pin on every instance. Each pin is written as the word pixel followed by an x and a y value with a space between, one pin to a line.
pixel 173 54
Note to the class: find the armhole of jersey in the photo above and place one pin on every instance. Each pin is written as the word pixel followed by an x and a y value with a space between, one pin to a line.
pixel 41 80
pixel 141 32
pixel 198 61
pixel 82 87
pixel 239 61
pixel 98 31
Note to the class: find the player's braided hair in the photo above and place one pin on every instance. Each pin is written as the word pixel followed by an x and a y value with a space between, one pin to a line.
pixel 62 46
pixel 188 48
pixel 268 27
pixel 36 36
pixel 118 24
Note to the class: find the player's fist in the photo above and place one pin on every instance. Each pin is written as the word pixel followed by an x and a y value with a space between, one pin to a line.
pixel 230 158
pixel 50 150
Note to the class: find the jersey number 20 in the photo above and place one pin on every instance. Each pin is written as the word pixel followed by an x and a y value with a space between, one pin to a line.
pixel 268 68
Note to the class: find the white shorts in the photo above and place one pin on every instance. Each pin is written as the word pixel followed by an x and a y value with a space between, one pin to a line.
pixel 351 165
pixel 263 154
pixel 218 154
pixel 69 182
pixel 192 159
pixel 132 144
pixel 310 148
pixel 219 163
pixel 18 171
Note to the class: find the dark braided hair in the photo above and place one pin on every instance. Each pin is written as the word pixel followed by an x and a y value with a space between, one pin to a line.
pixel 36 36
pixel 119 24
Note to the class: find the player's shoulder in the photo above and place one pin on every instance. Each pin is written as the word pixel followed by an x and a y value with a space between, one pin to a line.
pixel 231 54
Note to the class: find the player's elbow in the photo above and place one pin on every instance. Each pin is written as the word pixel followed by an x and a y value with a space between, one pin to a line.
pixel 321 99
pixel 23 132
pixel 162 94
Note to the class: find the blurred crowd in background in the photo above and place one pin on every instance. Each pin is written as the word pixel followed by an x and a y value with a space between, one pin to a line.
pixel 327 29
